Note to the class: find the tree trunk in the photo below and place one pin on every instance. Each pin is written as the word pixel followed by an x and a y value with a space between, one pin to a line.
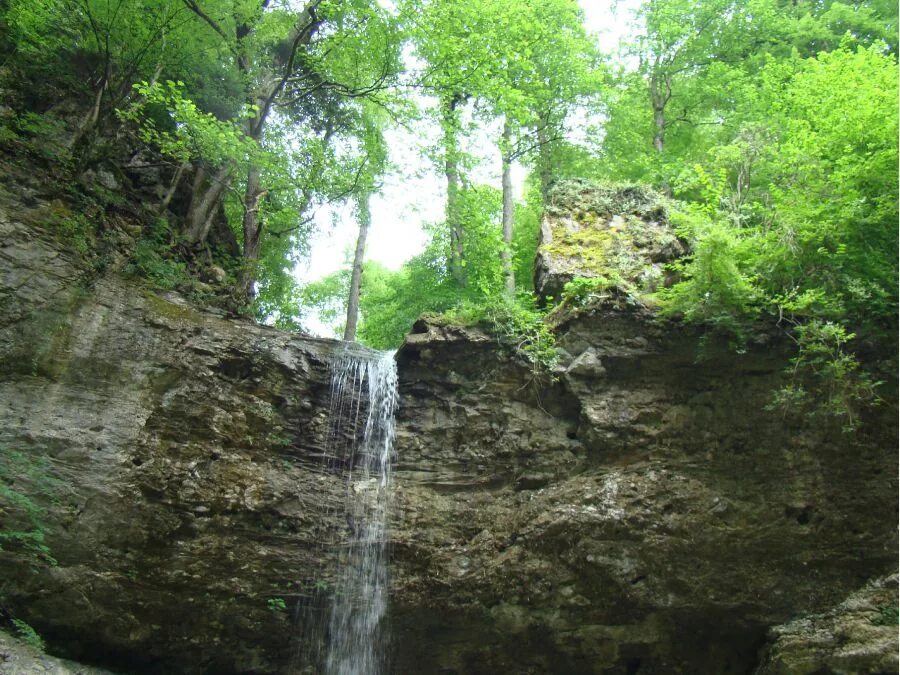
pixel 83 139
pixel 252 230
pixel 451 171
pixel 545 163
pixel 658 101
pixel 205 197
pixel 173 186
pixel 365 219
pixel 508 206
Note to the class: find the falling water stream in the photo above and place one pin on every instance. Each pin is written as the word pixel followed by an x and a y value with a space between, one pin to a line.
pixel 361 447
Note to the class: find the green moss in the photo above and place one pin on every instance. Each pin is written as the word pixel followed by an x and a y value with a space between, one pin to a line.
pixel 170 310
pixel 588 246
pixel 608 233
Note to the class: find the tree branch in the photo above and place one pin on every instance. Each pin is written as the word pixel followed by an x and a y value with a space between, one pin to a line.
pixel 212 23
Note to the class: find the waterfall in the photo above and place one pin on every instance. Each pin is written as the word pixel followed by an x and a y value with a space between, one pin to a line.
pixel 360 446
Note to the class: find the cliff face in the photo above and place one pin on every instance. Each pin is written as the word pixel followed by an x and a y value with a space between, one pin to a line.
pixel 183 454
pixel 644 514
pixel 641 514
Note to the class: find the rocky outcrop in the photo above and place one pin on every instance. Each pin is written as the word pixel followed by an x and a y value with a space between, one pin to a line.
pixel 858 636
pixel 178 458
pixel 613 235
pixel 642 514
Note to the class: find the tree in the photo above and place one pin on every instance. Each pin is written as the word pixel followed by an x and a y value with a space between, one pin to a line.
pixel 525 63
pixel 99 49
pixel 373 163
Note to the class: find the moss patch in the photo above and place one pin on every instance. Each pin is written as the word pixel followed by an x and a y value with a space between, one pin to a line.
pixel 617 236
pixel 170 310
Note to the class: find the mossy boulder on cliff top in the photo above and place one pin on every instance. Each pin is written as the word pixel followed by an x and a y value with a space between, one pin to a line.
pixel 617 234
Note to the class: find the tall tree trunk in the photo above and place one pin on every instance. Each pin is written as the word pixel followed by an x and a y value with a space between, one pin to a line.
pixel 365 219
pixel 659 99
pixel 545 162
pixel 450 120
pixel 206 193
pixel 252 227
pixel 508 206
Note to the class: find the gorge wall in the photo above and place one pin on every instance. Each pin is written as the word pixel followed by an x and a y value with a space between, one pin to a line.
pixel 643 513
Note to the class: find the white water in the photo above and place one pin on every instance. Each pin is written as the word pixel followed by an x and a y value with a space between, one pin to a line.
pixel 363 396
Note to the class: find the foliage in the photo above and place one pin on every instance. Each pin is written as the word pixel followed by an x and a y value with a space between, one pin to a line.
pixel 38 134
pixel 799 216
pixel 516 324
pixel 327 298
pixel 526 234
pixel 718 287
pixel 583 291
pixel 77 231
pixel 28 635
pixel 276 604
pixel 888 615
pixel 825 377
pixel 152 259
pixel 166 119
pixel 25 481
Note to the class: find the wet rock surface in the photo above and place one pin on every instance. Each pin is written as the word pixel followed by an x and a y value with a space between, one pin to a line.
pixel 857 636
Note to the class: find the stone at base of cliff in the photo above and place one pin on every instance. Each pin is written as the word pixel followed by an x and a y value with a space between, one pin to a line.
pixel 17 658
pixel 857 636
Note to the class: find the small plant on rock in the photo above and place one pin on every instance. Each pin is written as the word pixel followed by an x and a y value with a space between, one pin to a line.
pixel 28 635
pixel 276 604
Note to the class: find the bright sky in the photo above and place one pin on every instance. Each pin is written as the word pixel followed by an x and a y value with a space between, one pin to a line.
pixel 413 195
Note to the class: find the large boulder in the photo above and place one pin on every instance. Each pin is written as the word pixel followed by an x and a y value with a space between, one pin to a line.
pixel 615 235
pixel 858 637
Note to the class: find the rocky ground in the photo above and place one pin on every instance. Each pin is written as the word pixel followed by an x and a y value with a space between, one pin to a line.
pixel 17 658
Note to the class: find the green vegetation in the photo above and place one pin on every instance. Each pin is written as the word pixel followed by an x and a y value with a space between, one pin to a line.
pixel 276 604
pixel 825 378
pixel 25 482
pixel 888 615
pixel 769 130
pixel 28 635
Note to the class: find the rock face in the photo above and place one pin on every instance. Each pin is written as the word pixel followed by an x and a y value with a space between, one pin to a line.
pixel 17 658
pixel 616 235
pixel 181 458
pixel 644 514
pixel 641 514
pixel 857 636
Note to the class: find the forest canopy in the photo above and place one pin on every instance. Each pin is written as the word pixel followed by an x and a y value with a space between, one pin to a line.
pixel 770 125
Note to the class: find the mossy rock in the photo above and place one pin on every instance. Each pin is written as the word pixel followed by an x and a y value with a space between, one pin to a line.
pixel 618 234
